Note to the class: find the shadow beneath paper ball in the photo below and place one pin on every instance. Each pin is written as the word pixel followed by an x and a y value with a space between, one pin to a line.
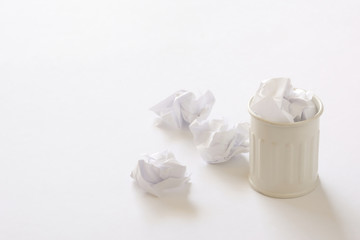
pixel 171 205
pixel 234 172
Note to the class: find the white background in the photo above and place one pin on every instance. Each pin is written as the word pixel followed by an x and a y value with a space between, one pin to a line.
pixel 77 79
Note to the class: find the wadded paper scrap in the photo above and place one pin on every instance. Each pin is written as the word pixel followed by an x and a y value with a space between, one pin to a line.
pixel 217 142
pixel 276 100
pixel 183 107
pixel 160 173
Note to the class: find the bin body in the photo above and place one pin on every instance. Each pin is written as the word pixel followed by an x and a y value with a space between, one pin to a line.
pixel 284 156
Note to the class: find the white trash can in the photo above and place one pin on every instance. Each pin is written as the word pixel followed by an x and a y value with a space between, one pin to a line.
pixel 284 156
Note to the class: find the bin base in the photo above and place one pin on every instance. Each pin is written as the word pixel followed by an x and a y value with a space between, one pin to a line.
pixel 284 195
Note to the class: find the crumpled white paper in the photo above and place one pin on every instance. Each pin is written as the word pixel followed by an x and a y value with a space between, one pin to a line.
pixel 181 108
pixel 160 173
pixel 217 142
pixel 276 100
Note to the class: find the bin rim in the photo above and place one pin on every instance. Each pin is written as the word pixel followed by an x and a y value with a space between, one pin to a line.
pixel 315 99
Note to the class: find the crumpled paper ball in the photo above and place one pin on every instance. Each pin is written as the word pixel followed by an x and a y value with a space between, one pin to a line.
pixel 160 173
pixel 217 142
pixel 278 101
pixel 183 107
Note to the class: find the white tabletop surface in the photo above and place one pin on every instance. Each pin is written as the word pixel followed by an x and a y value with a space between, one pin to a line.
pixel 77 79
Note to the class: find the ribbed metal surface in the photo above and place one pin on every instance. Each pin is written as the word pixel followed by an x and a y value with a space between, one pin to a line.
pixel 284 163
